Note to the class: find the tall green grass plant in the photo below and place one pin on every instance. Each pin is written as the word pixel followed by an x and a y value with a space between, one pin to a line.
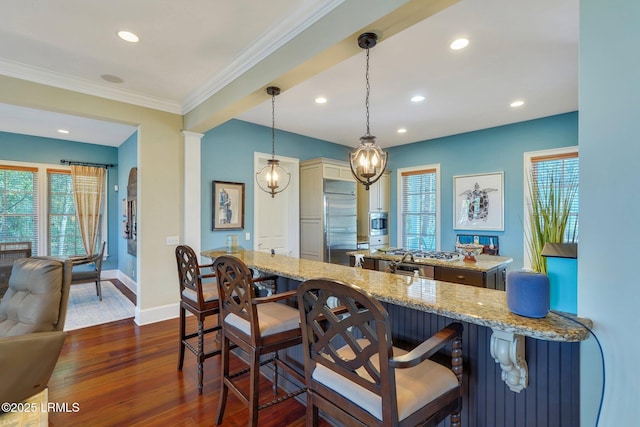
pixel 549 216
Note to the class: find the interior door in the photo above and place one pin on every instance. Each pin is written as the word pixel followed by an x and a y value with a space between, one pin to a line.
pixel 276 220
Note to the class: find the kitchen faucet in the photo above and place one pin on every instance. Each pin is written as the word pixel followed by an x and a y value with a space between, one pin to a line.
pixel 407 254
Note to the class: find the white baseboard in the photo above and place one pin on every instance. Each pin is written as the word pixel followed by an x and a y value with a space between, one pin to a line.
pixel 149 315
pixel 117 274
pixel 156 314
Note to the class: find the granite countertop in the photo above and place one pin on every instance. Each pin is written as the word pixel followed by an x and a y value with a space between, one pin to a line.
pixel 480 306
pixel 483 262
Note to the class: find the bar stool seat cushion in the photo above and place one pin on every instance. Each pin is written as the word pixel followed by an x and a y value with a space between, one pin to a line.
pixel 415 386
pixel 209 292
pixel 273 317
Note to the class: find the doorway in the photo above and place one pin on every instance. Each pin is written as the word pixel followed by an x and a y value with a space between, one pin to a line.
pixel 276 224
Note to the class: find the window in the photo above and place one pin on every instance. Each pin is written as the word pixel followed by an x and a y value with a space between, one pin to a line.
pixel 43 214
pixel 419 219
pixel 64 232
pixel 19 220
pixel 556 169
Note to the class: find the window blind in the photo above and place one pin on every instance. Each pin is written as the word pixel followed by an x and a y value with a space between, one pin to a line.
pixel 63 231
pixel 561 172
pixel 418 209
pixel 19 205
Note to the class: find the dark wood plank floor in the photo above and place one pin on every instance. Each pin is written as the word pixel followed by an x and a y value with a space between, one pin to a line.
pixel 123 374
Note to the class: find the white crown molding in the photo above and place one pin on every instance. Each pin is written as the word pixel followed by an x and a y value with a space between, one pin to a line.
pixel 63 81
pixel 267 43
pixel 287 29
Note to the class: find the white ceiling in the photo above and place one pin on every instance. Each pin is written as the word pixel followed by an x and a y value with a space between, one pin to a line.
pixel 519 49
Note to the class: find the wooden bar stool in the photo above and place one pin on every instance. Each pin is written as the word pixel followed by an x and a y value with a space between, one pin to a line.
pixel 258 326
pixel 355 375
pixel 199 299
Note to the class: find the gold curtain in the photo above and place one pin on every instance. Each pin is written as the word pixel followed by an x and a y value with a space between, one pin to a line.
pixel 88 186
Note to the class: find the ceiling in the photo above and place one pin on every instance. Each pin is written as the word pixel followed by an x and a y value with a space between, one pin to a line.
pixel 519 49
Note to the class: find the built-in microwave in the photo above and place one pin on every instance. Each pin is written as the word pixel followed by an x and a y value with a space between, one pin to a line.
pixel 378 223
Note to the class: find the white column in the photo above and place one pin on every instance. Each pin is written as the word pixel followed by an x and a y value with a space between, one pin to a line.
pixel 192 195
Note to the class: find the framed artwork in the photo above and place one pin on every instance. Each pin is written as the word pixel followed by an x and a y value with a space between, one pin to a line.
pixel 228 205
pixel 478 201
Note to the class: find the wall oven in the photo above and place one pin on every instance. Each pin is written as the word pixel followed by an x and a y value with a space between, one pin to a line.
pixel 378 223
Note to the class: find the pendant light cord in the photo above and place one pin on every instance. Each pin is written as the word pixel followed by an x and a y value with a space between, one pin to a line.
pixel 273 126
pixel 366 102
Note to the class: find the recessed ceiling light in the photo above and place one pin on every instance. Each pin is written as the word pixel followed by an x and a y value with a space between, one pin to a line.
pixel 128 36
pixel 459 44
pixel 63 131
pixel 321 100
pixel 418 98
pixel 402 130
pixel 518 103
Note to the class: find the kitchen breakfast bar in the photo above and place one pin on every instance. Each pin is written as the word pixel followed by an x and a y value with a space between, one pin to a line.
pixel 517 370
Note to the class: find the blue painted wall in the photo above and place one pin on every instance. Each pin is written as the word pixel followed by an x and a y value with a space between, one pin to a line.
pixel 127 159
pixel 227 155
pixel 25 148
pixel 608 291
pixel 489 150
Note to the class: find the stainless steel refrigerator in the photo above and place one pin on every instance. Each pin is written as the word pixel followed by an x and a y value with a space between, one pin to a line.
pixel 340 221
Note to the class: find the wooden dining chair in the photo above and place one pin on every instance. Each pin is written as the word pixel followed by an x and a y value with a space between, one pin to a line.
pixel 257 326
pixel 93 274
pixel 357 377
pixel 201 300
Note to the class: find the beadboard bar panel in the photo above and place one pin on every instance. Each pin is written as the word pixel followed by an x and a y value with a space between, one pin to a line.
pixel 551 398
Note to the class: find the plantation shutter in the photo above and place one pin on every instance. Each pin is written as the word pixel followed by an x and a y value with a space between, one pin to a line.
pixel 19 205
pixel 418 209
pixel 561 169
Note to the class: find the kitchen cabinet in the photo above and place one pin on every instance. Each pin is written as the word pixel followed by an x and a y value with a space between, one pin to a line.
pixel 376 199
pixel 493 277
pixel 377 242
pixel 312 210
pixel 464 277
pixel 331 170
pixel 379 194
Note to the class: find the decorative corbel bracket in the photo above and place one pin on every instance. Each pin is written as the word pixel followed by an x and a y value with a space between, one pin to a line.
pixel 508 350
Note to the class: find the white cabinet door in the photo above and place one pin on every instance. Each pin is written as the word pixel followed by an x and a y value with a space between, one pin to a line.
pixel 376 242
pixel 379 200
pixel 311 239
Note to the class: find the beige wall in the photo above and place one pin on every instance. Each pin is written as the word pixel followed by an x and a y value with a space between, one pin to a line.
pixel 159 180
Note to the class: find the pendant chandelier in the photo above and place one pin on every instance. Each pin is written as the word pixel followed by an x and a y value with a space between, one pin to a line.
pixel 273 178
pixel 368 162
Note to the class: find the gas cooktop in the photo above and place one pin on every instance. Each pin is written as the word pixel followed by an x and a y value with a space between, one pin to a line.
pixel 441 255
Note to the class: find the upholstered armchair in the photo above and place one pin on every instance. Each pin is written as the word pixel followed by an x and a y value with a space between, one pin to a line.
pixel 32 316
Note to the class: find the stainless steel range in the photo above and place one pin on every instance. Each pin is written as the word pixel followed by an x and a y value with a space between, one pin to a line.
pixel 441 255
pixel 408 265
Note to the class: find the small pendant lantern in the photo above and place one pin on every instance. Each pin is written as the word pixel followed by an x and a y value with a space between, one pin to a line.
pixel 273 178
